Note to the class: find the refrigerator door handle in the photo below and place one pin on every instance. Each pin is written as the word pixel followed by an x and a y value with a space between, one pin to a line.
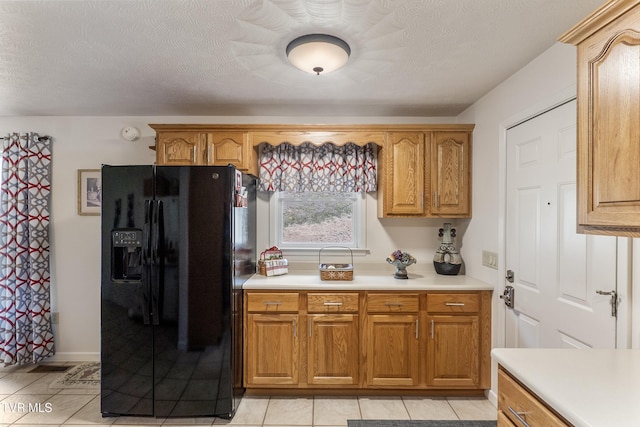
pixel 146 263
pixel 157 262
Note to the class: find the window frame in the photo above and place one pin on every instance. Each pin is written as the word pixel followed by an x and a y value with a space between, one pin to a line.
pixel 359 244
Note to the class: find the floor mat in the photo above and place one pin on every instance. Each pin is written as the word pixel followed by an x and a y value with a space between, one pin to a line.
pixel 50 368
pixel 85 375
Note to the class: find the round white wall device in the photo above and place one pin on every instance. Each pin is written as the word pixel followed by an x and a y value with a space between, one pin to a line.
pixel 130 133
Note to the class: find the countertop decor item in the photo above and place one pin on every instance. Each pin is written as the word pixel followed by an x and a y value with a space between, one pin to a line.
pixel 447 259
pixel 401 260
pixel 333 271
pixel 272 262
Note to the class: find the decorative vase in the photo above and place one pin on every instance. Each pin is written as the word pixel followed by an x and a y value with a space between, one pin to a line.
pixel 401 261
pixel 447 260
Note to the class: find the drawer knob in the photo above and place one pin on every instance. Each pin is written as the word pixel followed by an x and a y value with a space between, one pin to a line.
pixel 333 304
pixel 393 304
pixel 272 302
pixel 454 304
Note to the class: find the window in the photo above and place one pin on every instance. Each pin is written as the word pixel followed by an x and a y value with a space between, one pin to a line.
pixel 311 220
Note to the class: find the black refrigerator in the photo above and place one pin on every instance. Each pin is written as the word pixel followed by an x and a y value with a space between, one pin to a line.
pixel 178 242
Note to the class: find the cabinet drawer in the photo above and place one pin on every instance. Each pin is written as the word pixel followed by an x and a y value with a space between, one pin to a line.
pixel 332 303
pixel 272 301
pixel 392 303
pixel 453 303
pixel 514 399
pixel 504 421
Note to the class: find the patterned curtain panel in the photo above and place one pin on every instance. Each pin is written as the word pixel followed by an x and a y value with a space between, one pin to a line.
pixel 25 312
pixel 308 167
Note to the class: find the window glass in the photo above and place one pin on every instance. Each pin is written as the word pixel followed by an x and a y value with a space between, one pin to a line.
pixel 317 219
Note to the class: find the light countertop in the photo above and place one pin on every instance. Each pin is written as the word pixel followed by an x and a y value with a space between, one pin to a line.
pixel 589 388
pixel 368 280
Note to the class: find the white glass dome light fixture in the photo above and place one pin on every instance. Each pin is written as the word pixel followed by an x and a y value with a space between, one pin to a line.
pixel 318 53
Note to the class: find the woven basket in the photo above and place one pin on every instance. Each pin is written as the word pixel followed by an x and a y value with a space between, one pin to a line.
pixel 272 260
pixel 329 271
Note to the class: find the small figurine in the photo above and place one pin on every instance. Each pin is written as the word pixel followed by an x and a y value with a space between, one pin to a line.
pixel 447 259
pixel 401 260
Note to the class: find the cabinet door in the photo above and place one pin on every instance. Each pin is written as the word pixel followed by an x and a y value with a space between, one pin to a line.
pixel 453 351
pixel 450 174
pixel 181 148
pixel 271 349
pixel 392 350
pixel 333 349
pixel 609 127
pixel 403 180
pixel 225 148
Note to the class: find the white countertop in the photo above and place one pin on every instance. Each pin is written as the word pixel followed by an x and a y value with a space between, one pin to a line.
pixel 371 280
pixel 589 388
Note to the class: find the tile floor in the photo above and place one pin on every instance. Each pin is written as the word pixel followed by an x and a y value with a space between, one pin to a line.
pixel 27 400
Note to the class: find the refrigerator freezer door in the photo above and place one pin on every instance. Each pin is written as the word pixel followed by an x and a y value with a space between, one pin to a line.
pixel 126 342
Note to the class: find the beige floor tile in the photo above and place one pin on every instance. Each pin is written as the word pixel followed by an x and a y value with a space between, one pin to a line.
pixel 251 411
pixel 41 385
pixel 90 414
pixel 138 421
pixel 55 410
pixel 335 411
pixel 93 391
pixel 426 408
pixel 194 421
pixel 379 408
pixel 473 408
pixel 16 381
pixel 15 407
pixel 289 411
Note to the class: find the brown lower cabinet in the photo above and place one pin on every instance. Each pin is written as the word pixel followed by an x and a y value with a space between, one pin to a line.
pixel 337 340
pixel 517 406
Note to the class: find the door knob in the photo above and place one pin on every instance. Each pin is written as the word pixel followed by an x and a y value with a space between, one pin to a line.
pixel 508 296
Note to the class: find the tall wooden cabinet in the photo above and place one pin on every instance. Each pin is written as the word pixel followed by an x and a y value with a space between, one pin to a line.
pixel 608 43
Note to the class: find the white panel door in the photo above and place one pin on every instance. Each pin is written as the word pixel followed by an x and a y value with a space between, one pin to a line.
pixel 556 271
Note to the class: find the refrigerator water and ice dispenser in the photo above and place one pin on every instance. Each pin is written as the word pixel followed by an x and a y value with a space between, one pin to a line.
pixel 126 256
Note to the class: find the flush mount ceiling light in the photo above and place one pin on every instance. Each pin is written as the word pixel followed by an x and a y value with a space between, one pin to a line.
pixel 318 53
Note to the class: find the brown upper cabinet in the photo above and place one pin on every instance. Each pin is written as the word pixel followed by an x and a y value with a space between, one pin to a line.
pixel 424 171
pixel 450 178
pixel 608 98
pixel 201 147
pixel 426 174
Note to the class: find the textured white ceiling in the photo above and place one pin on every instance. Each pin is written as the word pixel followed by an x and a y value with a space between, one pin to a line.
pixel 226 57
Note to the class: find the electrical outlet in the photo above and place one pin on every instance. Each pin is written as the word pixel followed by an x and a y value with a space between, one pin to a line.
pixel 490 259
pixel 55 317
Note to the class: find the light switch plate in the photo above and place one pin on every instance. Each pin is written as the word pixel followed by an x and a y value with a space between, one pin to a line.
pixel 490 259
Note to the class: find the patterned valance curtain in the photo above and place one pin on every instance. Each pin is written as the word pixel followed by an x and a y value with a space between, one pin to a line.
pixel 25 311
pixel 326 167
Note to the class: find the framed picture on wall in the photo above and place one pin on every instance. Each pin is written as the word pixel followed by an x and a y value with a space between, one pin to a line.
pixel 89 191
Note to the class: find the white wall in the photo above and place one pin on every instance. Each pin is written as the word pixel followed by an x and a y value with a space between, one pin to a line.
pixel 88 142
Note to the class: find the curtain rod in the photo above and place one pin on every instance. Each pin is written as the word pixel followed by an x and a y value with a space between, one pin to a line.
pixel 40 138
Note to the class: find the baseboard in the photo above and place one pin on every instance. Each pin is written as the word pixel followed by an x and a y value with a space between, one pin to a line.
pixel 492 397
pixel 74 357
